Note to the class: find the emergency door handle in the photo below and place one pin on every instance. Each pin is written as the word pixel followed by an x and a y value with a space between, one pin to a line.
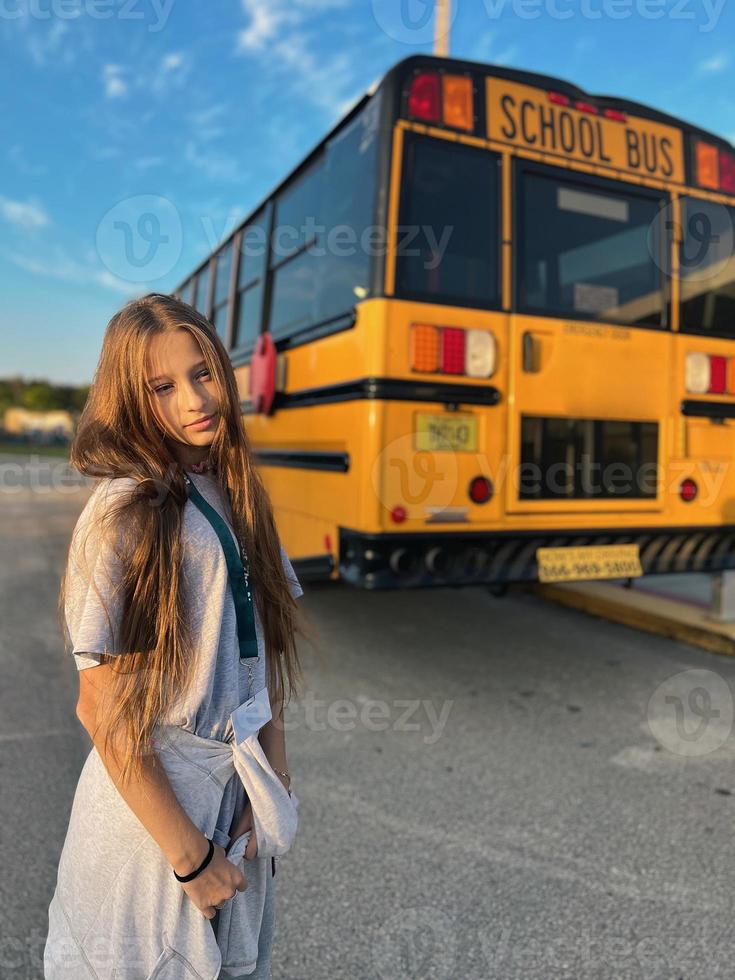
pixel 531 349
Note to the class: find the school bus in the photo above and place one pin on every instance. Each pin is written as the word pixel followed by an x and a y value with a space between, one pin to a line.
pixel 484 332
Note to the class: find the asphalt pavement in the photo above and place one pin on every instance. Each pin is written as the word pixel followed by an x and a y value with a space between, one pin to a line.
pixel 489 788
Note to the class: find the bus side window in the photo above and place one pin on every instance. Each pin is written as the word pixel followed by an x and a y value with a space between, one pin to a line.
pixel 250 288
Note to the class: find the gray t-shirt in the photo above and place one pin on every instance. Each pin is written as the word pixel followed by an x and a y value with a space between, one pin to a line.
pixel 220 682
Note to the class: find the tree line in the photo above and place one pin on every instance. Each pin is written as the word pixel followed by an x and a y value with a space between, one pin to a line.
pixel 39 395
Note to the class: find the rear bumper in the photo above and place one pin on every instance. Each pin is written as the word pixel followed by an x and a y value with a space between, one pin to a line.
pixel 389 561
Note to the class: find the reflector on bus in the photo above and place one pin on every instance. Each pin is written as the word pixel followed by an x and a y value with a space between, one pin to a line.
pixel 688 490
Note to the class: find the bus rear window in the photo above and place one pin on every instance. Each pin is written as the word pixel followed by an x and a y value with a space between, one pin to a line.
pixel 707 263
pixel 587 459
pixel 589 251
pixel 447 249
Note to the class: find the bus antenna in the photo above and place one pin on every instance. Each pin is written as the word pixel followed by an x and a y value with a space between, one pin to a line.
pixel 441 28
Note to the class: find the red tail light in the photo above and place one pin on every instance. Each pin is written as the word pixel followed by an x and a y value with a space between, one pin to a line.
pixel 688 490
pixel 424 97
pixel 718 375
pixel 727 172
pixel 452 350
pixel 480 490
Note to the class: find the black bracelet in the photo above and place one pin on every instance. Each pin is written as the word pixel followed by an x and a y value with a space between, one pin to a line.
pixel 201 867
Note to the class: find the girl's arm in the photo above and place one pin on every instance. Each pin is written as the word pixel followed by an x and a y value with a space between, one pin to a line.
pixel 154 803
pixel 272 737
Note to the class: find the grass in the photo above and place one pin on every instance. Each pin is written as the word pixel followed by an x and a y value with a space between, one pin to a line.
pixel 23 449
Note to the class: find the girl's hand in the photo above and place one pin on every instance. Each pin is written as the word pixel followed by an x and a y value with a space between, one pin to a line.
pixel 218 883
pixel 245 823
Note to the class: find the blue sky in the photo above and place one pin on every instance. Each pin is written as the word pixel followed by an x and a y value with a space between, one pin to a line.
pixel 203 106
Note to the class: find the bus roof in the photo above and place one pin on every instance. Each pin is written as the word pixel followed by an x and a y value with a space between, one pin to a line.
pixel 545 82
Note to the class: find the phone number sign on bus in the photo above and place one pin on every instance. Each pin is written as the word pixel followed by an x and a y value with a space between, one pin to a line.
pixel 527 117
pixel 588 562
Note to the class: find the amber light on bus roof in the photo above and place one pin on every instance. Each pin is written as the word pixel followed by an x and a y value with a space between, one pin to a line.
pixel 715 168
pixel 443 99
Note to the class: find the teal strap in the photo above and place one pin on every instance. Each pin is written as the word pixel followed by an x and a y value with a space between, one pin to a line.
pixel 240 588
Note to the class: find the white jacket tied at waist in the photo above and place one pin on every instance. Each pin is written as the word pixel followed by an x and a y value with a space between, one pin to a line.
pixel 118 910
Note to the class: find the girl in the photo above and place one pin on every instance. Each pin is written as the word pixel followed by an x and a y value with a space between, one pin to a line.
pixel 178 603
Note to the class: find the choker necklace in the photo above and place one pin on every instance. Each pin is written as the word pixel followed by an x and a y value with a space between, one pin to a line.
pixel 204 467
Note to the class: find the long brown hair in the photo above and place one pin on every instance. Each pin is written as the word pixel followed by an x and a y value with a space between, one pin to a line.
pixel 119 435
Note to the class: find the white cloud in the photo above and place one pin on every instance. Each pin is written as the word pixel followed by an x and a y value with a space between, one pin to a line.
pixel 23 214
pixel 267 17
pixel 49 40
pixel 115 86
pixel 280 28
pixel 203 117
pixel 265 22
pixel 216 165
pixel 507 55
pixel 324 81
pixel 172 71
pixel 59 266
pixel 172 61
pixel 104 277
pixel 207 124
pixel 45 44
pixel 714 64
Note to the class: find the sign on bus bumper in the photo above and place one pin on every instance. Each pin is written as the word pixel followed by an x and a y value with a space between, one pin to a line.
pixel 417 559
pixel 588 562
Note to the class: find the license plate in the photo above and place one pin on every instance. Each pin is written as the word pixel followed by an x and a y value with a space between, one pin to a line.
pixel 590 561
pixel 444 432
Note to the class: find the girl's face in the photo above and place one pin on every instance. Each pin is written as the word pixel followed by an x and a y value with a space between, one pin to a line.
pixel 182 392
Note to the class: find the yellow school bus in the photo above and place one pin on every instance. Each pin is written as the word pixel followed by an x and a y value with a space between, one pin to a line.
pixel 485 333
